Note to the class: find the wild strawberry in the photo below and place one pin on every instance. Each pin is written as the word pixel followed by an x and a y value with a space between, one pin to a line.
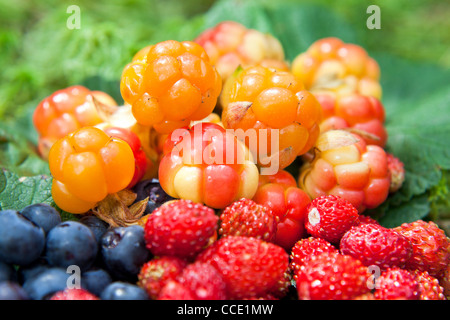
pixel 305 248
pixel 173 290
pixel 329 217
pixel 207 164
pixel 65 111
pixel 180 228
pixel 74 294
pixel 273 108
pixel 431 247
pixel 344 165
pixel 444 281
pixel 396 284
pixel 174 84
pixel 396 172
pixel 230 44
pixel 373 244
pixel 430 289
pixel 247 218
pixel 157 272
pixel 354 112
pixel 288 202
pixel 364 219
pixel 332 65
pixel 249 266
pixel 203 281
pixel 332 276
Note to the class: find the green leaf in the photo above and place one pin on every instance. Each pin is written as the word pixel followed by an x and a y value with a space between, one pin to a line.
pixel 18 192
pixel 410 211
pixel 17 149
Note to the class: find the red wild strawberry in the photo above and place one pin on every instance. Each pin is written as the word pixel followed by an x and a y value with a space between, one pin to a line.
pixel 247 218
pixel 305 248
pixel 444 280
pixel 156 273
pixel 396 284
pixel 174 290
pixel 180 228
pixel 74 294
pixel 249 266
pixel 431 247
pixel 332 276
pixel 363 219
pixel 329 217
pixel 430 289
pixel 203 281
pixel 376 245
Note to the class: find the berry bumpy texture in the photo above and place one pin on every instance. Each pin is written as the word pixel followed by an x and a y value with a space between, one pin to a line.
pixel 397 284
pixel 274 103
pixel 180 228
pixel 170 85
pixel 344 165
pixel 431 247
pixel 86 166
pixel 156 273
pixel 247 218
pixel 330 217
pixel 230 44
pixel 65 111
pixel 304 249
pixel 207 164
pixel 332 276
pixel 332 65
pixel 288 202
pixel 249 266
pixel 364 115
pixel 376 245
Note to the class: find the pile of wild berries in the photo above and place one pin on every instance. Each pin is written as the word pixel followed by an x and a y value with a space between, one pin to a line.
pixel 184 191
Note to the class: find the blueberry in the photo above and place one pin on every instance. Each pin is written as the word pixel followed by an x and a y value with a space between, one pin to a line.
pixel 10 290
pixel 71 243
pixel 96 280
pixel 123 251
pixel 152 189
pixel 97 225
pixel 7 272
pixel 46 283
pixel 32 270
pixel 43 215
pixel 21 241
pixel 119 290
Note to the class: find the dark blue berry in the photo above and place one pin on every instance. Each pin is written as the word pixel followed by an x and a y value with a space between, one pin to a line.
pixel 123 251
pixel 21 240
pixel 46 283
pixel 32 270
pixel 10 290
pixel 96 280
pixel 7 272
pixel 43 215
pixel 119 290
pixel 152 189
pixel 97 225
pixel 71 243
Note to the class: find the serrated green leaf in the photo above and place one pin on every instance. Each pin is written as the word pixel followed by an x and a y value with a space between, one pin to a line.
pixel 18 192
pixel 415 209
